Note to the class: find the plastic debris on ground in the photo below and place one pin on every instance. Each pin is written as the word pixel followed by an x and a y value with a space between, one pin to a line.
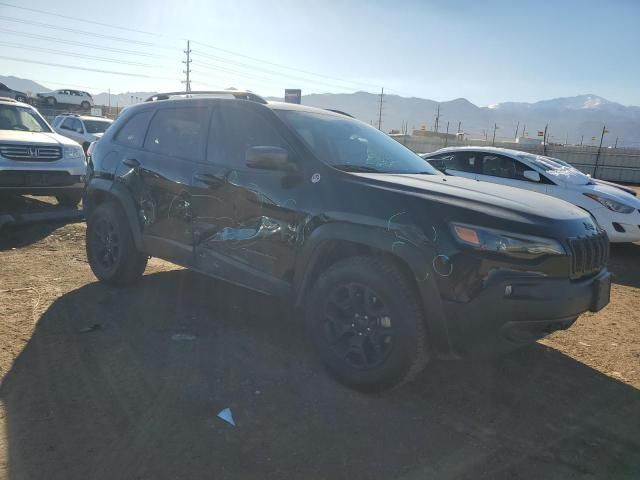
pixel 179 337
pixel 92 328
pixel 225 414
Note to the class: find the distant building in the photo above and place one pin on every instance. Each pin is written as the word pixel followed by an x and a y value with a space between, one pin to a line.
pixel 529 141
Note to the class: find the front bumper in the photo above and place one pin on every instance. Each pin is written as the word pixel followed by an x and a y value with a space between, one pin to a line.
pixel 626 228
pixel 42 178
pixel 496 320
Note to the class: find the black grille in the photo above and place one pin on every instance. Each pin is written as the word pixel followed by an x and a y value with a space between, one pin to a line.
pixel 16 179
pixel 588 254
pixel 31 153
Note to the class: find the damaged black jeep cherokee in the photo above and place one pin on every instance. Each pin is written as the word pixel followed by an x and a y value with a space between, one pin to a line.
pixel 389 263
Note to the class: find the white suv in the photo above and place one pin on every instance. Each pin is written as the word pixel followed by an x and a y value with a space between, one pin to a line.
pixel 67 97
pixel 84 129
pixel 34 159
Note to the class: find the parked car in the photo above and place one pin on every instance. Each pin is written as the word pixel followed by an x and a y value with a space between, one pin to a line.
pixel 614 208
pixel 66 97
pixel 15 94
pixel 34 159
pixel 389 263
pixel 84 129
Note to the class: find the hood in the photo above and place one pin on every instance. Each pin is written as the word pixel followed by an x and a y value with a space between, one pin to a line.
pixel 614 193
pixel 34 138
pixel 481 196
pixel 628 190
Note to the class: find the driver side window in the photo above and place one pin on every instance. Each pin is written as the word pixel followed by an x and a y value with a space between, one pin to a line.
pixel 236 128
pixel 503 167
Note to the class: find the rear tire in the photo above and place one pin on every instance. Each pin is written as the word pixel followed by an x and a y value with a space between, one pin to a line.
pixel 51 101
pixel 85 105
pixel 364 319
pixel 69 199
pixel 111 250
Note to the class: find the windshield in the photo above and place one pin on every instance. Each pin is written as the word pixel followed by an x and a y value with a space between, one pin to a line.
pixel 353 146
pixel 21 118
pixel 96 126
pixel 546 163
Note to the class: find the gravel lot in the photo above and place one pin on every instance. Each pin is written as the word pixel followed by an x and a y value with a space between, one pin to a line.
pixel 126 384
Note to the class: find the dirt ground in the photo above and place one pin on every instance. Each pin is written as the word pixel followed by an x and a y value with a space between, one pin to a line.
pixel 103 383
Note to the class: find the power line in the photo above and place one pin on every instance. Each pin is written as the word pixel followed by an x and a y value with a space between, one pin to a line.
pixel 83 44
pixel 283 66
pixel 68 17
pixel 276 74
pixel 126 74
pixel 79 55
pixel 150 44
pixel 269 72
pixel 83 32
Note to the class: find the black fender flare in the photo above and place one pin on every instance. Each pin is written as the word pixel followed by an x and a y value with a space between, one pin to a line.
pixel 418 260
pixel 104 188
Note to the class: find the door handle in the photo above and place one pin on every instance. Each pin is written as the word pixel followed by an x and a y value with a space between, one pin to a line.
pixel 131 162
pixel 208 179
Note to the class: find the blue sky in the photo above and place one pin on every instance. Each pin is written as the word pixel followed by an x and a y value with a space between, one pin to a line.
pixel 485 51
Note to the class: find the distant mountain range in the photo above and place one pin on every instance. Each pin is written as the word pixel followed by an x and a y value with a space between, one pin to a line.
pixel 570 119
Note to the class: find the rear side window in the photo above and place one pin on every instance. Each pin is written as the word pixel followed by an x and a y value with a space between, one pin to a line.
pixel 132 133
pixel 178 132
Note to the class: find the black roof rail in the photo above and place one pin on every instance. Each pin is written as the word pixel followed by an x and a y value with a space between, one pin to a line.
pixel 339 112
pixel 238 94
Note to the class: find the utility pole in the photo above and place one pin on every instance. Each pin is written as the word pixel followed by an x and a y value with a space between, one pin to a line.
pixel 380 110
pixel 109 100
pixel 446 135
pixel 566 140
pixel 437 119
pixel 517 128
pixel 595 168
pixel 544 140
pixel 581 139
pixel 495 127
pixel 524 129
pixel 616 145
pixel 187 62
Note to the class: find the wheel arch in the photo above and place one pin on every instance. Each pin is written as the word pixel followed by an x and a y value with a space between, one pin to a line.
pixel 101 190
pixel 331 243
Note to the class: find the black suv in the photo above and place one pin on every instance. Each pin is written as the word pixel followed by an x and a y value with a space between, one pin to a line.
pixel 388 262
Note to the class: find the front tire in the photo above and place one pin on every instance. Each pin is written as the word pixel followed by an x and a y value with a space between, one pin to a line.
pixel 364 319
pixel 85 105
pixel 51 101
pixel 111 250
pixel 20 98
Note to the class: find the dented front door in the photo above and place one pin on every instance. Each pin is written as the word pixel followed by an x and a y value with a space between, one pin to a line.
pixel 245 221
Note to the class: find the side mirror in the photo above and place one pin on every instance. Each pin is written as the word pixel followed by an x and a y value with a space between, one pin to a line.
pixel 269 158
pixel 532 175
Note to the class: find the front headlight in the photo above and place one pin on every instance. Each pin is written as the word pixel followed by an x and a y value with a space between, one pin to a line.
pixel 506 243
pixel 612 205
pixel 72 152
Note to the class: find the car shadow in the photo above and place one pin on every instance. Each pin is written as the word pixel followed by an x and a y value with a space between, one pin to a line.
pixel 127 384
pixel 26 220
pixel 624 261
